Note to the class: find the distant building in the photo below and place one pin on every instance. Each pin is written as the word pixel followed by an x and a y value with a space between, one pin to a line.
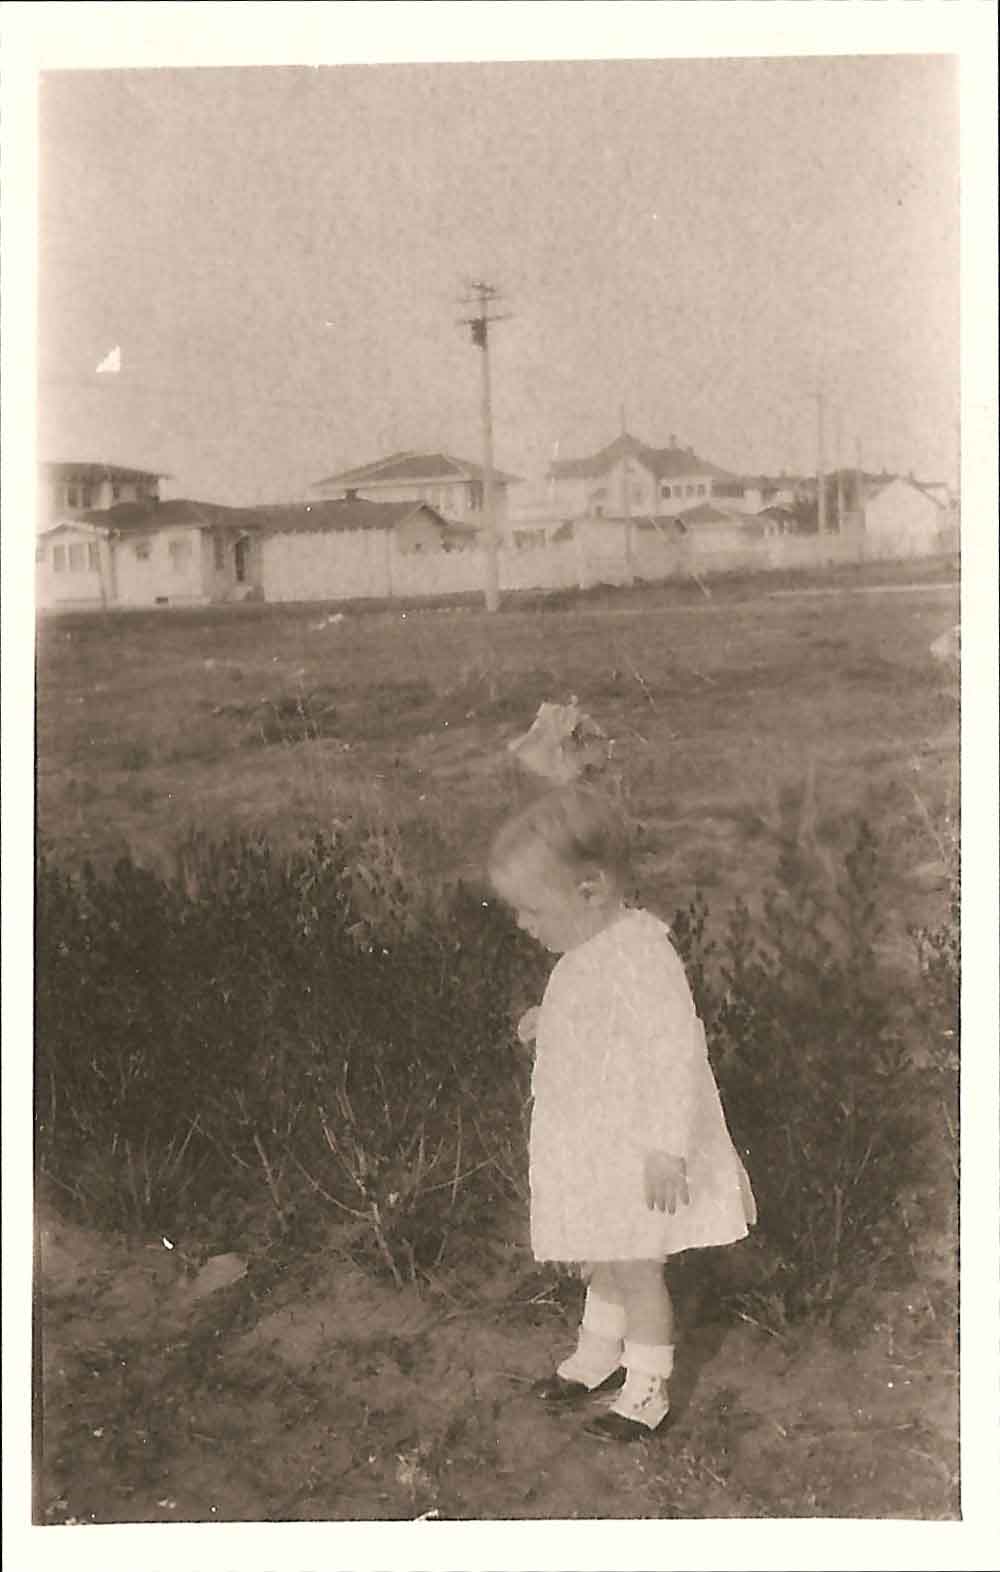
pixel 69 489
pixel 628 476
pixel 184 552
pixel 902 518
pixel 454 487
pixel 72 557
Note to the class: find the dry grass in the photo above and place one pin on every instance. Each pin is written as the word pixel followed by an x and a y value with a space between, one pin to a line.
pixel 149 724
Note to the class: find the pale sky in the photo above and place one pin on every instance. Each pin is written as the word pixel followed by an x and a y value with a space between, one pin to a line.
pixel 280 254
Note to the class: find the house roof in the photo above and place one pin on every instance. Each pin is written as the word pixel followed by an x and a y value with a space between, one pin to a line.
pixel 708 513
pixel 664 463
pixel 274 518
pixel 89 471
pixel 136 517
pixel 412 466
pixel 346 513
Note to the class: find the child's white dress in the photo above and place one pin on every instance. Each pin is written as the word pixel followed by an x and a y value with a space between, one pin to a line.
pixel 621 1068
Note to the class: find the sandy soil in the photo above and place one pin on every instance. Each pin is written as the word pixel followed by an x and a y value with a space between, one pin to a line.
pixel 171 1391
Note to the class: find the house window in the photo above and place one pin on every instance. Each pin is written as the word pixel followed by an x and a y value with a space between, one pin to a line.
pixel 77 559
pixel 116 491
pixel 689 491
pixel 87 496
pixel 39 553
pixel 664 489
pixel 59 559
pixel 72 497
pixel 180 553
pixel 93 558
pixel 219 548
pixel 141 550
pixel 701 491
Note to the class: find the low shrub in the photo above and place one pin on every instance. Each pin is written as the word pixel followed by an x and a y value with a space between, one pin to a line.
pixel 938 1003
pixel 308 1033
pixel 816 1079
pixel 317 1037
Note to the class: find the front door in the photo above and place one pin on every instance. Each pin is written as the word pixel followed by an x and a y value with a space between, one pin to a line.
pixel 241 555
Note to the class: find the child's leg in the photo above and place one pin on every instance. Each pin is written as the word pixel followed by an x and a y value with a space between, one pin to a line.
pixel 598 1351
pixel 648 1354
pixel 649 1310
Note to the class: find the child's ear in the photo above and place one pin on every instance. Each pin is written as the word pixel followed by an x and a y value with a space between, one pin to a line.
pixel 595 887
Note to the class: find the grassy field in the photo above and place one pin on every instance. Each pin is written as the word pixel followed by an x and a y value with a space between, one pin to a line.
pixel 321 1393
pixel 152 725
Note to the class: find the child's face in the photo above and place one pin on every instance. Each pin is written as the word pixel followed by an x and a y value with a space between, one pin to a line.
pixel 551 903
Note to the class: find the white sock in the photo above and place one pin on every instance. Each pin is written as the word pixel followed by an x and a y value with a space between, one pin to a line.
pixel 645 1397
pixel 598 1349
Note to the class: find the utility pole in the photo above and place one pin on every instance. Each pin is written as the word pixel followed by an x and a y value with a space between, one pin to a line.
pixel 627 502
pixel 484 295
pixel 820 464
pixel 840 473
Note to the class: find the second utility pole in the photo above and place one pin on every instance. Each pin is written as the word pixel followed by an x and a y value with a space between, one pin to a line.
pixel 820 466
pixel 479 324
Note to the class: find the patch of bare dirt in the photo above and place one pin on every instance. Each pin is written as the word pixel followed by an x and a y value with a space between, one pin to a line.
pixel 326 1394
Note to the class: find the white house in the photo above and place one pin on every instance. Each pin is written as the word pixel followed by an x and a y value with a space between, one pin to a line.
pixel 148 553
pixel 183 552
pixel 67 490
pixel 72 553
pixel 454 487
pixel 629 477
pixel 352 548
pixel 903 519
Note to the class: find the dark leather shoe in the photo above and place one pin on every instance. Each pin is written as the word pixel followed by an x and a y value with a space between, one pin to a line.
pixel 615 1427
pixel 555 1390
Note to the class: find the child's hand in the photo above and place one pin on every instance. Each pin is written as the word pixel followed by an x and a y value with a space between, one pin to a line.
pixel 665 1182
pixel 527 1026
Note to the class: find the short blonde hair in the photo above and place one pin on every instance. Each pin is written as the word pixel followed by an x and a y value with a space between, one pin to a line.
pixel 577 825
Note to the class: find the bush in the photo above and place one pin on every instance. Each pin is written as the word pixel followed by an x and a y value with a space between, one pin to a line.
pixel 816 1081
pixel 939 958
pixel 315 1037
pixel 305 1033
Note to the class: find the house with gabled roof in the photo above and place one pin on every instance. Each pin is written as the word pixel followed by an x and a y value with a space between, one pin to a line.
pixel 902 518
pixel 185 552
pixel 454 487
pixel 73 560
pixel 628 476
pixel 349 547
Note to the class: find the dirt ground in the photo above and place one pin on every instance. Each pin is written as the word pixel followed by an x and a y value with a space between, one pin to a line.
pixel 177 1393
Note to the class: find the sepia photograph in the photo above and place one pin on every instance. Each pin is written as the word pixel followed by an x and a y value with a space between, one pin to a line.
pixel 495 565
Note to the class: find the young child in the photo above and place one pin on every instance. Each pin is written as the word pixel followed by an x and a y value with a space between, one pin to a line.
pixel 630 1157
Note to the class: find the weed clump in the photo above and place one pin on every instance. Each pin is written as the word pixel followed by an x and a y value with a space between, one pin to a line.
pixel 817 1080
pixel 256 1042
pixel 292 1038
